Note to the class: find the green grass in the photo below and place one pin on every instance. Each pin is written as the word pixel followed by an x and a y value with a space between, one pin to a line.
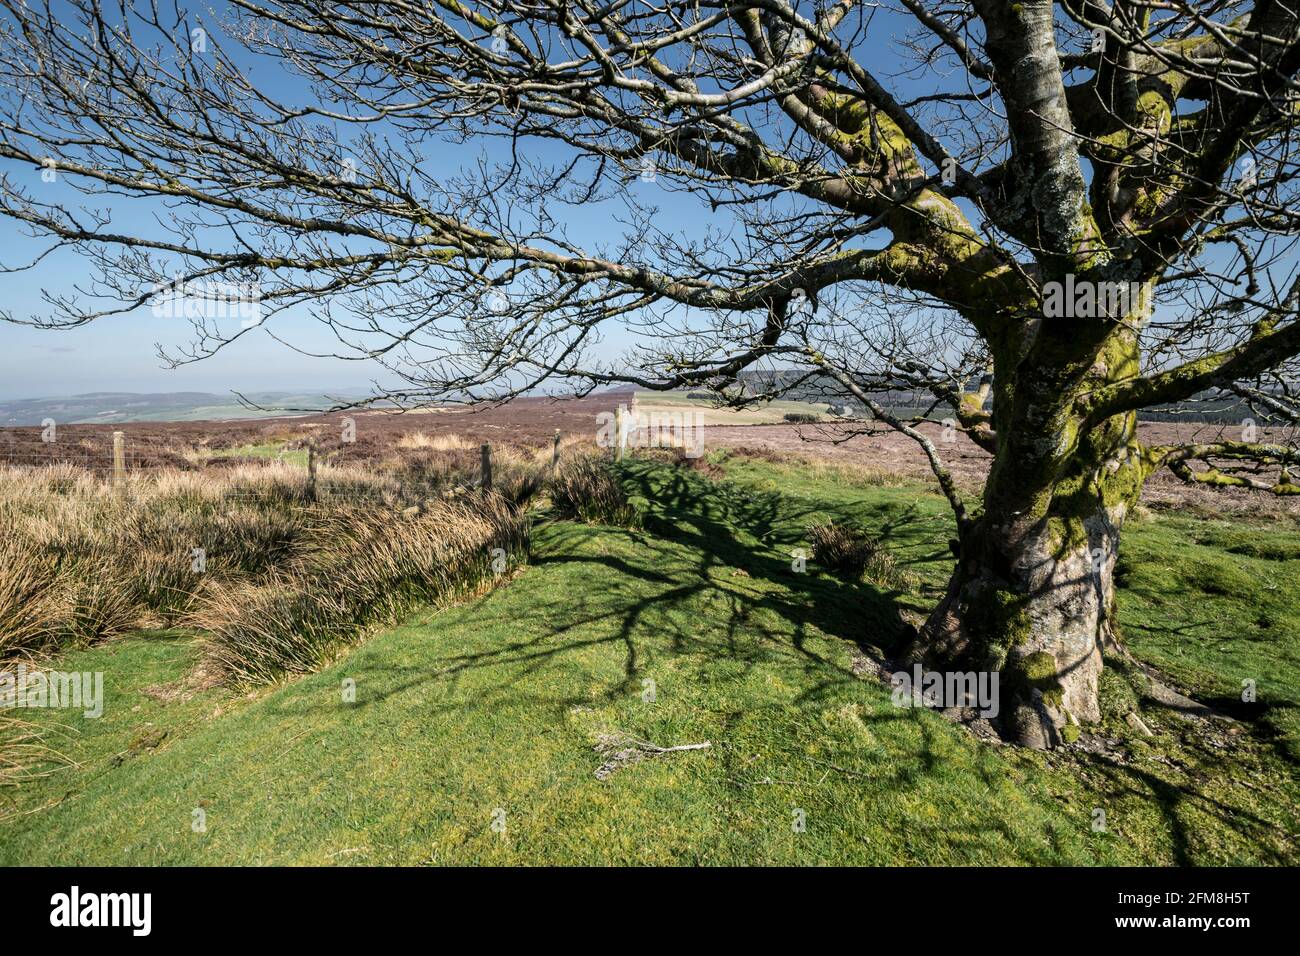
pixel 498 704
pixel 1213 605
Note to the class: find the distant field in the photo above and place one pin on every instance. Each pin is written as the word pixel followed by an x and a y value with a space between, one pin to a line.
pixel 376 435
pixel 766 414
pixel 278 450
pixel 533 422
pixel 111 408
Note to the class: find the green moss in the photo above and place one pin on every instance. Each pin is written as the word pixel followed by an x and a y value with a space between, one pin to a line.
pixel 1216 577
pixel 1039 666
pixel 1005 624
pixel 1037 671
pixel 1125 485
pixel 1152 106
pixel 1070 732
pixel 1266 550
pixel 1067 532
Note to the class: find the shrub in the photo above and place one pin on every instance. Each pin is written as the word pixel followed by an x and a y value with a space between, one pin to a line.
pixel 802 418
pixel 585 488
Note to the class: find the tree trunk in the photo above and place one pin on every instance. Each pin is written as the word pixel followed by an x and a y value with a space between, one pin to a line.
pixel 1033 595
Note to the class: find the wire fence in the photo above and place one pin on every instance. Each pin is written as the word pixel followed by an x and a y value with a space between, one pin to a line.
pixel 131 466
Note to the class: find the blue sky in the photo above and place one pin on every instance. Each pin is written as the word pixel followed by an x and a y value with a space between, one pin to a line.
pixel 118 353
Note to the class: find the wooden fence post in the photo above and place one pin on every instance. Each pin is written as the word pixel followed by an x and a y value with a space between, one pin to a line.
pixel 311 469
pixel 555 452
pixel 487 466
pixel 119 462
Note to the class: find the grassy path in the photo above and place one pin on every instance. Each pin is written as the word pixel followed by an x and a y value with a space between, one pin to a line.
pixel 498 705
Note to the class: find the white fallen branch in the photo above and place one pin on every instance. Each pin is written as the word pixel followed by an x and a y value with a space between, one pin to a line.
pixel 655 749
pixel 620 750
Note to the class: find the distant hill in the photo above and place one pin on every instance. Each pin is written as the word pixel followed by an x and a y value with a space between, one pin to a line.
pixel 795 385
pixel 113 407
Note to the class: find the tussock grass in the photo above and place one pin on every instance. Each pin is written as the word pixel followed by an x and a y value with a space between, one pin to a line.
pixel 83 564
pixel 28 607
pixel 585 488
pixel 419 440
pixel 356 566
pixel 853 553
pixel 841 549
pixel 275 574
pixel 447 465
pixel 47 600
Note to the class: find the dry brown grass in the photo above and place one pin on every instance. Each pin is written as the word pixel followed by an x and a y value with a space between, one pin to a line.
pixel 426 468
pixel 356 566
pixel 82 564
pixel 295 573
pixel 30 613
pixel 419 440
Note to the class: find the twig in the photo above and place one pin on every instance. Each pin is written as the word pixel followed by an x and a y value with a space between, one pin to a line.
pixel 654 748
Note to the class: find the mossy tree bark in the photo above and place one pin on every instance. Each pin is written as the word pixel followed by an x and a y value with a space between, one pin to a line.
pixel 1032 596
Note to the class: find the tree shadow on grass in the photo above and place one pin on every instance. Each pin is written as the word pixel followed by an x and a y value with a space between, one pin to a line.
pixel 1267 718
pixel 761 609
pixel 738 542
pixel 755 532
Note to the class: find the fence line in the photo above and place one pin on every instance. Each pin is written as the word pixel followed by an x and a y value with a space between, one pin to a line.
pixel 119 461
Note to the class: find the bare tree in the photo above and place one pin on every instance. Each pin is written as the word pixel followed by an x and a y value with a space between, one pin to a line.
pixel 1046 216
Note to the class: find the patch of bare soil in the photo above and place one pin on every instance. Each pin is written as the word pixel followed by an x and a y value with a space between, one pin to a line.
pixel 201 677
pixel 620 750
